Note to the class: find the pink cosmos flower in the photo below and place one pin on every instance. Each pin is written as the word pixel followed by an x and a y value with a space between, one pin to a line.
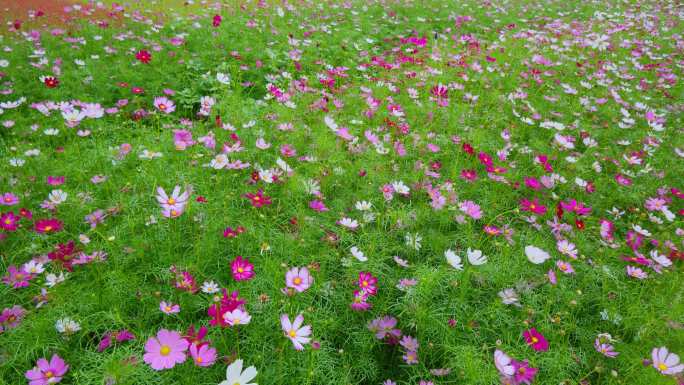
pixel 536 340
pixel 666 362
pixel 471 209
pixel 237 317
pixel 360 301
pixel 11 317
pixel 604 348
pixel 118 336
pixel 298 334
pixel 226 305
pixel 165 350
pixel 385 327
pixel 17 278
pixel 169 308
pixel 242 269
pixel 636 272
pixel 8 199
pixel 298 279
pixel 317 205
pixel 45 372
pixel 164 104
pixel 202 355
pixel 565 267
pixel 182 139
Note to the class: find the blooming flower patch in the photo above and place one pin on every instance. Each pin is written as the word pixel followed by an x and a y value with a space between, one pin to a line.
pixel 342 192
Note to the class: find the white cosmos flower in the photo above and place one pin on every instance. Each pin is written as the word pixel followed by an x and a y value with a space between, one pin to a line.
pixel 235 375
pixel 476 258
pixel 67 326
pixel 536 255
pixel 57 196
pixel 223 78
pixel 358 254
pixel 453 259
pixel 363 205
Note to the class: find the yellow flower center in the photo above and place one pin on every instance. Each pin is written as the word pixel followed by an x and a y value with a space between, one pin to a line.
pixel 297 281
pixel 174 213
pixel 199 360
pixel 240 270
pixel 168 308
pixel 236 321
pixel 162 106
pixel 165 350
pixel 521 370
pixel 8 221
pixel 535 340
pixel 662 367
pixel 364 283
pixel 292 333
pixel 49 374
pixel 48 228
pixel 171 201
pixel 20 276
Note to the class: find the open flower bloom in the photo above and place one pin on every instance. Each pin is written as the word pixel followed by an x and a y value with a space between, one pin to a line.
pixel 536 255
pixel 503 363
pixel 235 375
pixel 666 362
pixel 536 340
pixel 298 279
pixel 47 372
pixel 242 269
pixel 165 350
pixel 298 334
pixel 237 317
pixel 202 355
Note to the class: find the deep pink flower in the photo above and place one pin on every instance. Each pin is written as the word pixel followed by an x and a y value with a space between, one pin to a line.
pixel 242 269
pixel 258 199
pixel 9 221
pixel 165 350
pixel 367 283
pixel 45 372
pixel 532 206
pixel 55 180
pixel 143 56
pixel 536 340
pixel 523 372
pixel 227 304
pixel 317 205
pixel 46 226
pixel 216 20
pixel 360 301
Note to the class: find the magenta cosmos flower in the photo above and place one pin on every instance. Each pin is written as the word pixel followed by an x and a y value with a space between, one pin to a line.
pixel 367 283
pixel 165 350
pixel 47 372
pixel 46 226
pixel 523 374
pixel 298 334
pixel 536 340
pixel 298 279
pixel 8 199
pixel 242 269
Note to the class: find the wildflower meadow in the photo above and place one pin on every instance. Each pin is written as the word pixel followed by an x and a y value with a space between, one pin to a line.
pixel 305 192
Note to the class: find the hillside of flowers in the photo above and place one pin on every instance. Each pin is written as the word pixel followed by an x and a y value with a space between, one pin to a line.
pixel 305 192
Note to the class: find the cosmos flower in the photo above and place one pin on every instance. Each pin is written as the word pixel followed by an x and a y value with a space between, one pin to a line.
pixel 298 279
pixel 666 362
pixel 536 340
pixel 202 355
pixel 235 375
pixel 298 334
pixel 242 269
pixel 45 372
pixel 164 104
pixel 536 255
pixel 165 350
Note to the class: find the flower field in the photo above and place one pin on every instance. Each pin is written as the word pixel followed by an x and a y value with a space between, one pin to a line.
pixel 341 192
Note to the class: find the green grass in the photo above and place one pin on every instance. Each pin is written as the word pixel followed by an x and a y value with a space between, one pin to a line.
pixel 124 292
